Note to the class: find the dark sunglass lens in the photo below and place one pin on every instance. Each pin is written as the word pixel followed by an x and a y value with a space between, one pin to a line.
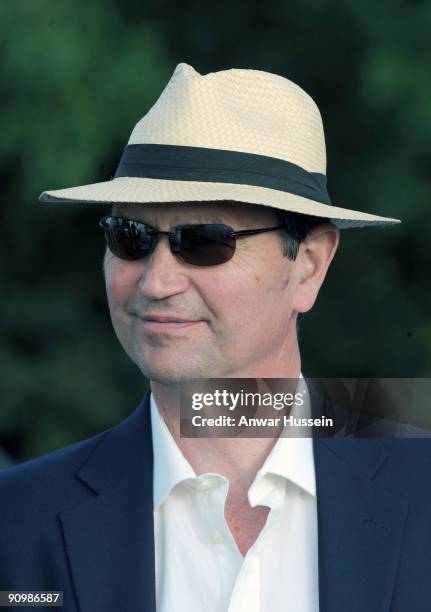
pixel 128 239
pixel 207 245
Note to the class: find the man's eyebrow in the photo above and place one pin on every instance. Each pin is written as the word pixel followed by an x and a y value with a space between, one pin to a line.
pixel 193 221
pixel 205 218
pixel 202 217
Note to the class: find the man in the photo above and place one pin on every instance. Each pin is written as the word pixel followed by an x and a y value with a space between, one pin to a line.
pixel 220 235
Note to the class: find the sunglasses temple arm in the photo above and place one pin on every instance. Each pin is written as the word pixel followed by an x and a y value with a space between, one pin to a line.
pixel 256 231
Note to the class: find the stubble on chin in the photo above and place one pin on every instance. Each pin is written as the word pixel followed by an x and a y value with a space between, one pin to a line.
pixel 178 367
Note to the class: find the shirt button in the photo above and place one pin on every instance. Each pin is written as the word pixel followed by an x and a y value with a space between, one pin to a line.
pixel 217 537
pixel 204 485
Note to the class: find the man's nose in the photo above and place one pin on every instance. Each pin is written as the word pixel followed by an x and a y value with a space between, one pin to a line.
pixel 163 273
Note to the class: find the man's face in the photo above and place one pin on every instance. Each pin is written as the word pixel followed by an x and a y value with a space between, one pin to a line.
pixel 239 312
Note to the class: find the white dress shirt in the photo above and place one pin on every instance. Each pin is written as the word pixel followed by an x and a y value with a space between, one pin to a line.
pixel 198 565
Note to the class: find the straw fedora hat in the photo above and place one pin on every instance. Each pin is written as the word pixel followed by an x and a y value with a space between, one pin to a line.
pixel 239 135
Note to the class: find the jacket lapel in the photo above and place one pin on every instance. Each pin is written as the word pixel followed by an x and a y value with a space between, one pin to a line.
pixel 360 523
pixel 109 537
pixel 360 526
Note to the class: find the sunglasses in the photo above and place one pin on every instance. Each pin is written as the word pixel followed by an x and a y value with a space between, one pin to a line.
pixel 206 244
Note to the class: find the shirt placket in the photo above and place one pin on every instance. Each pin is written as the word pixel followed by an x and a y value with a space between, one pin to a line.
pixel 246 594
pixel 212 491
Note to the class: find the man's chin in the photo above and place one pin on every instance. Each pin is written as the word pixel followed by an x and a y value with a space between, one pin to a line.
pixel 175 376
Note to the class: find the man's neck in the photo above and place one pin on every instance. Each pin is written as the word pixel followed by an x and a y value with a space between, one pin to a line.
pixel 238 459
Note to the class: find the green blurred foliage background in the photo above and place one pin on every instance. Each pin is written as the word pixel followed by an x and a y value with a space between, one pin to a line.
pixel 76 77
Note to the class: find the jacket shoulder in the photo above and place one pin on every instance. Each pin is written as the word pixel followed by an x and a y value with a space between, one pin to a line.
pixel 47 481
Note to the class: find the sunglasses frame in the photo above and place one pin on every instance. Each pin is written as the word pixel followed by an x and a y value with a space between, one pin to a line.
pixel 106 223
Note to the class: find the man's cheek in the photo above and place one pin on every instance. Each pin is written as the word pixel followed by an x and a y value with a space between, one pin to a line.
pixel 118 288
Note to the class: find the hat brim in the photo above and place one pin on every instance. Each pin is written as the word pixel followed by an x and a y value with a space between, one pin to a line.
pixel 149 191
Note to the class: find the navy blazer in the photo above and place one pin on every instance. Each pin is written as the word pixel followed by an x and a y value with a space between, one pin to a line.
pixel 80 520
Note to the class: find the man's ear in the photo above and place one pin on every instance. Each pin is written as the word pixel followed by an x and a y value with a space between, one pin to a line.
pixel 315 254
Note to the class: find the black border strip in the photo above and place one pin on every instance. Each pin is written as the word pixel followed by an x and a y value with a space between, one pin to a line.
pixel 174 162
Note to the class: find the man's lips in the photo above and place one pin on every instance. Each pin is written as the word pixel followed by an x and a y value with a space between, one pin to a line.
pixel 167 323
pixel 167 319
